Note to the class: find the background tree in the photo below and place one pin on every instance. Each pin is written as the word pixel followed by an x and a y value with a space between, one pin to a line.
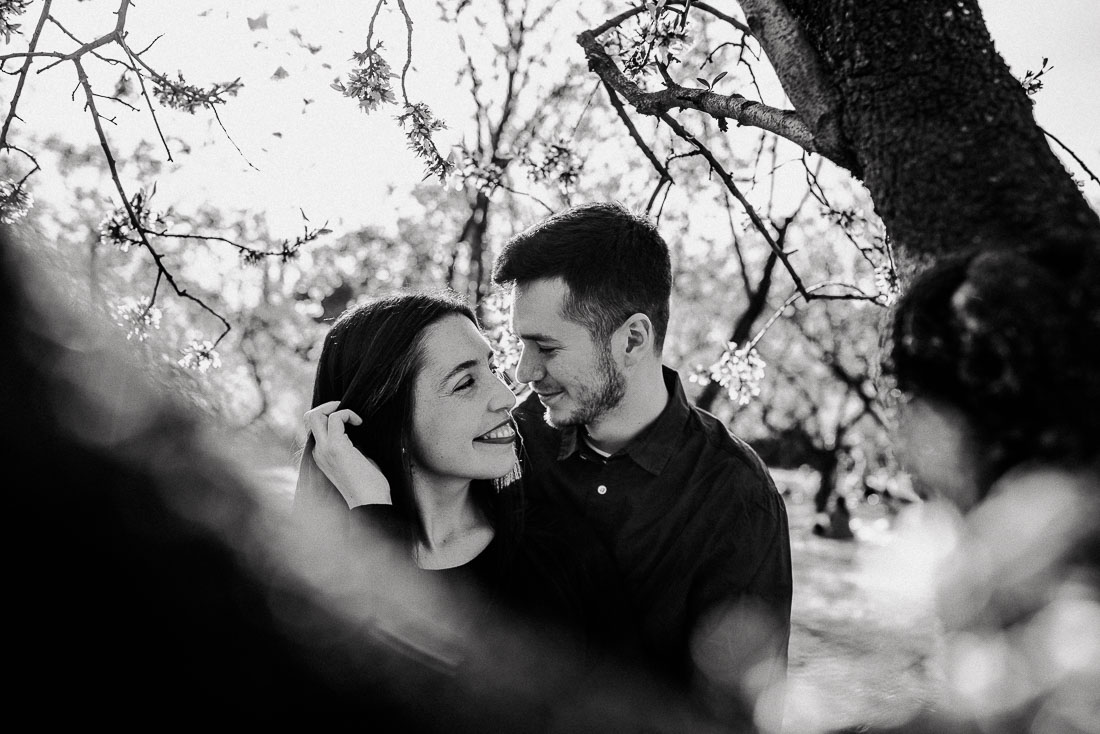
pixel 911 98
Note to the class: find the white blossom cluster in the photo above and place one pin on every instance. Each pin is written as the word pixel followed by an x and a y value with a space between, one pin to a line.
pixel 137 319
pixel 739 371
pixel 15 202
pixel 200 356
pixel 370 83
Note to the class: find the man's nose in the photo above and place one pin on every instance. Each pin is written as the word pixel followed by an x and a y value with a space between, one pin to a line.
pixel 529 368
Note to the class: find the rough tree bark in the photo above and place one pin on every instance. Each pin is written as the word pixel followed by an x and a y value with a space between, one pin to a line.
pixel 942 135
pixel 913 99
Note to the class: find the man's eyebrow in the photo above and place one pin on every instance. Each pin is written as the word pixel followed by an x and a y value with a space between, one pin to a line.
pixel 456 369
pixel 537 337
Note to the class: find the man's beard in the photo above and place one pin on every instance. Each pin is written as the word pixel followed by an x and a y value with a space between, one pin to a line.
pixel 593 404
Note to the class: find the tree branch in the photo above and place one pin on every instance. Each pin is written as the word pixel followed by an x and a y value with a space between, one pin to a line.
pixel 727 179
pixel 135 222
pixel 1074 155
pixel 23 73
pixel 635 135
pixel 785 123
pixel 803 77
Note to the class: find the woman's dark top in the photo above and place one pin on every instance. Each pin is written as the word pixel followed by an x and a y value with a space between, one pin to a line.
pixel 544 568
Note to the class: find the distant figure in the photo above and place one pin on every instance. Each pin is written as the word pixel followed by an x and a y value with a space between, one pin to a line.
pixel 839 524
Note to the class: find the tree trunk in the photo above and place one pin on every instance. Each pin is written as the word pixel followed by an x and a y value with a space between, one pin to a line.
pixel 940 132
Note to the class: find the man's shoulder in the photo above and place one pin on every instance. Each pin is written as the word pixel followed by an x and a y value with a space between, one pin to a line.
pixel 721 438
pixel 740 463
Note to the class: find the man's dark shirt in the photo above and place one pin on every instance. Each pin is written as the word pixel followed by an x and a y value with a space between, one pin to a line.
pixel 688 511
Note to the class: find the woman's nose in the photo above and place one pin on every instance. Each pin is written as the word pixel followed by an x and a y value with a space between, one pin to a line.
pixel 502 397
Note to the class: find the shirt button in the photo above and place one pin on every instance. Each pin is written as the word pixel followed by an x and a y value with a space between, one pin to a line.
pixel 601 489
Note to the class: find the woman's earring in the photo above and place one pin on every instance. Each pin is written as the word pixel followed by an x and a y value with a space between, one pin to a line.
pixel 511 477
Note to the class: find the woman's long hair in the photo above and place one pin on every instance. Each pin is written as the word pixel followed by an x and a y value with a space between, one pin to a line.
pixel 369 362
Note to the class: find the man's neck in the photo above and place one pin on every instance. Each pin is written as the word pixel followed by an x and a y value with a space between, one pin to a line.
pixel 646 396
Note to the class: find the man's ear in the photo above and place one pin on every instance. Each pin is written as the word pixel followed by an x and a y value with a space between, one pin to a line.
pixel 637 338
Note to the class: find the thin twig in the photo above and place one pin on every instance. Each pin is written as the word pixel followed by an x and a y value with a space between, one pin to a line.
pixel 634 134
pixel 727 179
pixel 811 294
pixel 152 110
pixel 82 76
pixel 1074 155
pixel 373 17
pixel 408 48
pixel 23 73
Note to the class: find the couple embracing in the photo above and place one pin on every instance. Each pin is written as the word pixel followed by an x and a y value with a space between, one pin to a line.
pixel 604 503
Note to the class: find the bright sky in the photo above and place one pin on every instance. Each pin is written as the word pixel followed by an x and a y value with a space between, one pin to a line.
pixel 316 150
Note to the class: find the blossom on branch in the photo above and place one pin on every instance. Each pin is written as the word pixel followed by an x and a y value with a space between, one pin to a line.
pixel 887 283
pixel 419 123
pixel 738 371
pixel 15 201
pixel 486 178
pixel 200 356
pixel 137 319
pixel 658 39
pixel 370 83
pixel 179 95
pixel 117 229
pixel 557 163
pixel 8 10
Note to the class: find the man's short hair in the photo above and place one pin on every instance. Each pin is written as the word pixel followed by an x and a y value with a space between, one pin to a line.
pixel 614 262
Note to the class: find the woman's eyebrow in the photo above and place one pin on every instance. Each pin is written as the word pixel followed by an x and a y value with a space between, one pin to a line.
pixel 456 369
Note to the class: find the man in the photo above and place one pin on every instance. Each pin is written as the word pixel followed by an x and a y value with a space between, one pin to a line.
pixel 688 510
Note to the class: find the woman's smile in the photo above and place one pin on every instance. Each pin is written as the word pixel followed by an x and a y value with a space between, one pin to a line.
pixel 502 434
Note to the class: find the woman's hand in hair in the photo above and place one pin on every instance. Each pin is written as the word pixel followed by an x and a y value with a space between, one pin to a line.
pixel 359 479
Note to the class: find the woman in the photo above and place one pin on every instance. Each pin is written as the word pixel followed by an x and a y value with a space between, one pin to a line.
pixel 995 354
pixel 408 382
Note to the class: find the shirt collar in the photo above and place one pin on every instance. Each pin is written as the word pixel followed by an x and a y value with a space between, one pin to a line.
pixel 653 447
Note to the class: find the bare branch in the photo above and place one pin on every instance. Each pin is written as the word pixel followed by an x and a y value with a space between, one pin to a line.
pixel 152 112
pixel 727 179
pixel 408 48
pixel 82 76
pixel 621 111
pixel 373 17
pixel 29 156
pixel 785 123
pixel 287 251
pixel 230 139
pixel 23 74
pixel 854 383
pixel 1074 155
pixel 854 294
pixel 737 245
pixel 627 15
